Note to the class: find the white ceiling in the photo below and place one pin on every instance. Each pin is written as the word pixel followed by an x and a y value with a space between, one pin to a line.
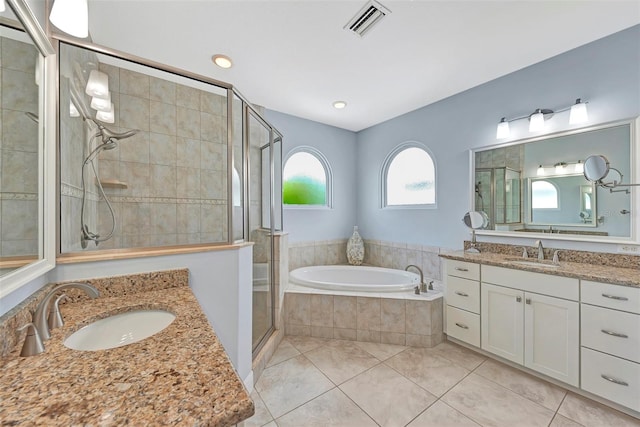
pixel 295 57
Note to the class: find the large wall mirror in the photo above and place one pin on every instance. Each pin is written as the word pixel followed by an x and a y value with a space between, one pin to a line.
pixel 537 186
pixel 27 160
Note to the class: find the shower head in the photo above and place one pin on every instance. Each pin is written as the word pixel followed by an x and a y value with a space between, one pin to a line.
pixel 110 137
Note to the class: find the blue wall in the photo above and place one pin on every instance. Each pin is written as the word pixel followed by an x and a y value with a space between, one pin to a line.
pixel 339 148
pixel 606 73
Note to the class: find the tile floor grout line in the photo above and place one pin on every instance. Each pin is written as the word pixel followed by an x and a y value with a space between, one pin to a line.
pixel 265 406
pixel 358 406
pixel 304 403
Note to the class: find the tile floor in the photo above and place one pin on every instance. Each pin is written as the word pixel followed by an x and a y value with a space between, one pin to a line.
pixel 319 382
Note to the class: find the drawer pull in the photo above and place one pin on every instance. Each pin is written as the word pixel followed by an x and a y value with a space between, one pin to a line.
pixel 615 297
pixel 614 380
pixel 528 300
pixel 462 294
pixel 518 299
pixel 614 334
pixel 460 325
pixel 462 269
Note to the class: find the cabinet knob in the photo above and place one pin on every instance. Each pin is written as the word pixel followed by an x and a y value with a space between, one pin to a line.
pixel 615 297
pixel 528 301
pixel 614 334
pixel 462 294
pixel 518 299
pixel 460 325
pixel 614 380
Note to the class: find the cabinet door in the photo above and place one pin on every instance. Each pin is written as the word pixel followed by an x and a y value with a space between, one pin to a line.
pixel 502 322
pixel 552 337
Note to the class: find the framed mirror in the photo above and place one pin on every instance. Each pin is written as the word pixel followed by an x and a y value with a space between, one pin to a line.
pixel 556 199
pixel 27 166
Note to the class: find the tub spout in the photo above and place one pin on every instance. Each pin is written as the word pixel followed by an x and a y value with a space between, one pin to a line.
pixel 423 286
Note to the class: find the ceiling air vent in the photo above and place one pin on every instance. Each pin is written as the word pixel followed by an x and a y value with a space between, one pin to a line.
pixel 370 14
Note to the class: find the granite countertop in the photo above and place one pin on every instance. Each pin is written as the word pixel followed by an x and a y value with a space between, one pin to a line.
pixel 585 271
pixel 180 376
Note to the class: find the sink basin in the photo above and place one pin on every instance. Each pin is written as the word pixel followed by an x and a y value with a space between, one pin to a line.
pixel 119 330
pixel 535 264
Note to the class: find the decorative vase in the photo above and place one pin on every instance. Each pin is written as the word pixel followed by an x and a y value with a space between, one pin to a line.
pixel 355 248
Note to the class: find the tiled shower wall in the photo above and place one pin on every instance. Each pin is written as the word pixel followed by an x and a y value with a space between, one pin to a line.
pixel 174 169
pixel 376 253
pixel 19 150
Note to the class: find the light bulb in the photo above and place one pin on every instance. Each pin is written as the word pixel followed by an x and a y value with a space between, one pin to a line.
pixel 71 16
pixel 578 113
pixel 579 167
pixel 98 84
pixel 536 121
pixel 503 129
pixel 2 6
pixel 339 105
pixel 541 171
pixel 222 61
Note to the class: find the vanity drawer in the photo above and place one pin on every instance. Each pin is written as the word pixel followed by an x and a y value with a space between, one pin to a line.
pixel 545 284
pixel 611 331
pixel 463 325
pixel 625 298
pixel 466 270
pixel 612 378
pixel 463 293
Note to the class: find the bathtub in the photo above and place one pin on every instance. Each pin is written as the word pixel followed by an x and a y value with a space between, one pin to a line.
pixel 354 278
pixel 362 304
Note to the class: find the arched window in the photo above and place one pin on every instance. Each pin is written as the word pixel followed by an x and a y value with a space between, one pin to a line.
pixel 306 179
pixel 409 177
pixel 544 195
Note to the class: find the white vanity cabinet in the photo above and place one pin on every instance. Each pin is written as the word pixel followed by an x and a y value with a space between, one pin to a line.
pixel 610 332
pixel 463 301
pixel 532 319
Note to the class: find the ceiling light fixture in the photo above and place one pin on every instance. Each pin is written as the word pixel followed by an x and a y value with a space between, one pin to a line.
pixel 71 16
pixel 538 118
pixel 222 61
pixel 339 105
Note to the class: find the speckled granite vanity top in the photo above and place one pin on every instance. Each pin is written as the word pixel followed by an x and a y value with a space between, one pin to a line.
pixel 180 376
pixel 588 270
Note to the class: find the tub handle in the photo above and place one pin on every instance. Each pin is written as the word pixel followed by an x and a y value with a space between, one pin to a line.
pixel 460 325
pixel 462 294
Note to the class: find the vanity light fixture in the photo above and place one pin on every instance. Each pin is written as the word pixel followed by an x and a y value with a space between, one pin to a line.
pixel 538 118
pixel 73 110
pixel 71 16
pixel 339 105
pixel 106 116
pixel 3 6
pixel 98 84
pixel 561 168
pixel 222 61
pixel 102 104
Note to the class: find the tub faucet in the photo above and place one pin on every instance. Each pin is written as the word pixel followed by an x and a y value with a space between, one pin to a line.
pixel 423 286
pixel 538 243
pixel 40 316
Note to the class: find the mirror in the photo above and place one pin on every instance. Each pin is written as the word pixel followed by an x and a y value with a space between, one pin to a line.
pixel 596 168
pixel 556 196
pixel 27 189
pixel 475 220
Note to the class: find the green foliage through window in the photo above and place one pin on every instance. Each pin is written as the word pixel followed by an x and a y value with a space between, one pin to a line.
pixel 304 180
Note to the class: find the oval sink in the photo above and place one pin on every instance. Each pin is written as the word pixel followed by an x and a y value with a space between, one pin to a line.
pixel 535 264
pixel 119 330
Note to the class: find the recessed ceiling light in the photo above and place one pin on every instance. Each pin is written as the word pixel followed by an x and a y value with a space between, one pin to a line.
pixel 339 105
pixel 222 61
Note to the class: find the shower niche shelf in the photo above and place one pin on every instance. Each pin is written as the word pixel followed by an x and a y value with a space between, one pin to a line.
pixel 113 183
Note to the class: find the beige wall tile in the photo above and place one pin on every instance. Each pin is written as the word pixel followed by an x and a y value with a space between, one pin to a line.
pixel 392 338
pixel 321 332
pixel 134 83
pixel 188 97
pixel 162 90
pixel 322 311
pixel 134 112
pixel 418 317
pixel 393 317
pixel 368 336
pixel 418 340
pixel 345 334
pixel 162 118
pixel 297 330
pixel 368 310
pixel 188 123
pixel 297 309
pixel 345 312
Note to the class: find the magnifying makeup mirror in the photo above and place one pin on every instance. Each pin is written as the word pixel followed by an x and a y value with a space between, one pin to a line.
pixel 475 220
pixel 596 168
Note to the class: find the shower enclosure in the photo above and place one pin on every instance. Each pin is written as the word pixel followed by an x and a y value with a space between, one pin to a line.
pixel 160 157
pixel 498 194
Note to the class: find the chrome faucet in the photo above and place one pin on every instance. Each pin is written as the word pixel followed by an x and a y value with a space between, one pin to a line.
pixel 423 286
pixel 40 316
pixel 538 243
